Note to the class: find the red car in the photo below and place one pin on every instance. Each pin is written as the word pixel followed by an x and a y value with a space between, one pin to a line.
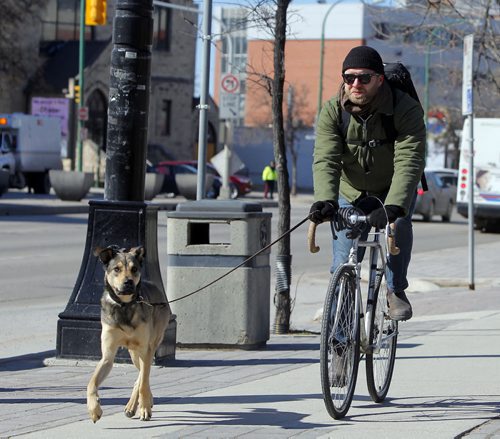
pixel 239 183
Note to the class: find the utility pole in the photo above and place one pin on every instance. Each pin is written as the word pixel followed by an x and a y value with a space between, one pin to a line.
pixel 81 85
pixel 468 112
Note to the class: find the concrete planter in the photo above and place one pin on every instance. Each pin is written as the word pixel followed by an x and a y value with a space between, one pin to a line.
pixel 71 185
pixel 153 185
pixel 187 184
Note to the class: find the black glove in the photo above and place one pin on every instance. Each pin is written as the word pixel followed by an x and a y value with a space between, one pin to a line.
pixel 378 217
pixel 323 210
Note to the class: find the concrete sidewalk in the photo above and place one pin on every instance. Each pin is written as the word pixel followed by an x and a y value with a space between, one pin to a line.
pixel 446 382
pixel 20 202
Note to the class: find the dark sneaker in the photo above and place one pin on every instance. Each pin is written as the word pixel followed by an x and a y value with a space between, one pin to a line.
pixel 399 306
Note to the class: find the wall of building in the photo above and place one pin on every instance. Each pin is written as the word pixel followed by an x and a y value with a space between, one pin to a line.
pixel 302 66
pixel 345 27
pixel 172 79
pixel 254 146
pixel 172 75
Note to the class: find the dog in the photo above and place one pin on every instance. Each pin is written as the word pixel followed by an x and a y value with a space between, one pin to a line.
pixel 128 320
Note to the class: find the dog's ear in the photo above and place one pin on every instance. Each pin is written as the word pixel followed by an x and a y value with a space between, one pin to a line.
pixel 138 252
pixel 105 254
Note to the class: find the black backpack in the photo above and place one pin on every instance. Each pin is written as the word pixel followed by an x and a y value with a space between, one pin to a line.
pixel 398 77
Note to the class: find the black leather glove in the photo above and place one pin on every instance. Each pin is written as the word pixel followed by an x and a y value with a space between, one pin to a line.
pixel 323 211
pixel 378 217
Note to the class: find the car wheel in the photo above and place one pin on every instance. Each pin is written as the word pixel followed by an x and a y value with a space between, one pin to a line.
pixel 430 213
pixel 41 183
pixel 447 216
pixel 233 191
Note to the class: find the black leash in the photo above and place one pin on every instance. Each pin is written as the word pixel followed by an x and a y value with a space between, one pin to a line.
pixel 245 261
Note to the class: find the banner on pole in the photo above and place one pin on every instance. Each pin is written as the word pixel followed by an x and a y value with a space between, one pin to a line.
pixel 467 83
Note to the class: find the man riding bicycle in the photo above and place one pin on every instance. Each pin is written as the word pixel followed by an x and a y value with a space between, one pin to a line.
pixel 367 163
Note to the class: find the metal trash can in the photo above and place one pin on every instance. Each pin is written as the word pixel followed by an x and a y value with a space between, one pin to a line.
pixel 206 239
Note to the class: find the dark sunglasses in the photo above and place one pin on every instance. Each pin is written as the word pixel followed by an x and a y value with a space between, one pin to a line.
pixel 364 78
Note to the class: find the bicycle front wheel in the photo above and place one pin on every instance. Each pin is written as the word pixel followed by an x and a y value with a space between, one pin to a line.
pixel 383 337
pixel 339 351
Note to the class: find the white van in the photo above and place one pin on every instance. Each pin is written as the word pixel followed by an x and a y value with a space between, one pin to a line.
pixel 30 146
pixel 486 176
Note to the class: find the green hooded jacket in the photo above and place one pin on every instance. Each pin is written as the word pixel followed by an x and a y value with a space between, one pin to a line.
pixel 352 168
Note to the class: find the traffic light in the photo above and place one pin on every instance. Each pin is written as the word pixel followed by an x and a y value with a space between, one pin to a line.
pixel 76 88
pixel 95 12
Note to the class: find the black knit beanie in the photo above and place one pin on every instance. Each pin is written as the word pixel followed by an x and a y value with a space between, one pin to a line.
pixel 363 57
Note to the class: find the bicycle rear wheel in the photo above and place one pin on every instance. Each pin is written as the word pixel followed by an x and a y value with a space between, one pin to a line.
pixel 383 337
pixel 339 351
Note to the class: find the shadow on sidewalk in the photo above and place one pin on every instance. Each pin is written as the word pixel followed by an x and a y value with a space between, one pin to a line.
pixel 25 362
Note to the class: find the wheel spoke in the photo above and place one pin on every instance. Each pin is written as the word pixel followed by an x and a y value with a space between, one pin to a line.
pixel 383 340
pixel 340 343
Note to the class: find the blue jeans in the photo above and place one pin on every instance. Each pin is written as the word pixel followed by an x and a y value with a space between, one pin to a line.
pixel 397 266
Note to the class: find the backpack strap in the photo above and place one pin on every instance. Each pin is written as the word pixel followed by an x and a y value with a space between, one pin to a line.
pixel 343 123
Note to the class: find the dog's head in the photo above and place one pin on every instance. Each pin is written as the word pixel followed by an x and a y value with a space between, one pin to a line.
pixel 122 269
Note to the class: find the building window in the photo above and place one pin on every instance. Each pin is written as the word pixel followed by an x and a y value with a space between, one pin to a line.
pixel 162 29
pixel 61 22
pixel 166 115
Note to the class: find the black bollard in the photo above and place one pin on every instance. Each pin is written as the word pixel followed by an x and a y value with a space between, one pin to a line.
pixel 123 218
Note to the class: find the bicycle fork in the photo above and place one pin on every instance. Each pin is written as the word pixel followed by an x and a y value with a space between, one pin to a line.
pixel 374 272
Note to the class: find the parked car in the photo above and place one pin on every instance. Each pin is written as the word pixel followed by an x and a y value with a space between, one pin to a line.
pixel 448 177
pixel 172 168
pixel 439 199
pixel 242 181
pixel 239 183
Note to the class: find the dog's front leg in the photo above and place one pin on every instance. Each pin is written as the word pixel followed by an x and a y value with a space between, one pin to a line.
pixel 145 395
pixel 133 402
pixel 101 372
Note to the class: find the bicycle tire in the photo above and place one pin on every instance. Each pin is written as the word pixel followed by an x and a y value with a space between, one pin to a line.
pixel 339 353
pixel 380 361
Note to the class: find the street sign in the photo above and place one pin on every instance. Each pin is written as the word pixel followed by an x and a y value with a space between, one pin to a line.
pixel 230 83
pixel 229 103
pixel 83 113
pixel 467 91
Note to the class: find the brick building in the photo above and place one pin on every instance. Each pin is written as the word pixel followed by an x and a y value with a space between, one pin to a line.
pixel 52 47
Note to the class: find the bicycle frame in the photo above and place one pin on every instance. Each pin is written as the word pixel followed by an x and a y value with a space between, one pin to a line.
pixel 376 251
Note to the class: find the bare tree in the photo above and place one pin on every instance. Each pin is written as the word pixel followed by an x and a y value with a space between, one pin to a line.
pixel 436 32
pixel 271 17
pixel 283 257
pixel 17 64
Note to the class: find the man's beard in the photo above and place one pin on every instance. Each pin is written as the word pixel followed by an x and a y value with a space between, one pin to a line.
pixel 360 100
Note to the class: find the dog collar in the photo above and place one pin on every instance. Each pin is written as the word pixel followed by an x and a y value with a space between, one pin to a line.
pixel 117 300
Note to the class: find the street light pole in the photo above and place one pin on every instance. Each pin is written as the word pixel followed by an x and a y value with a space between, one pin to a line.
pixel 321 59
pixel 122 218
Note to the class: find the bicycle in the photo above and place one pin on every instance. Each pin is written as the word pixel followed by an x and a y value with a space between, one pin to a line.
pixel 347 329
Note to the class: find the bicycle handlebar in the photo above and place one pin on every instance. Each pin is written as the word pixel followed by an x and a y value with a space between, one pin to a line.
pixel 311 238
pixel 354 219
